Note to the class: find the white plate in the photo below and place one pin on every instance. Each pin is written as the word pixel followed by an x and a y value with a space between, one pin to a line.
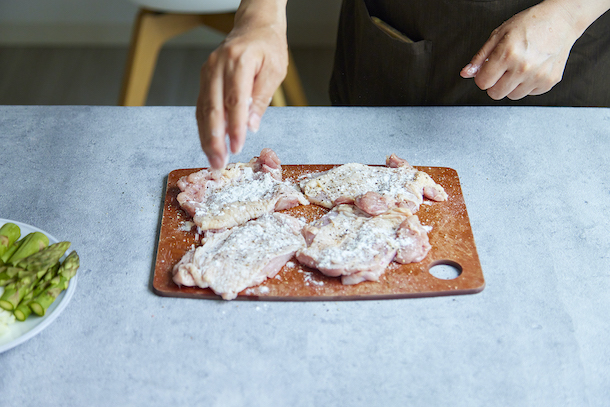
pixel 19 332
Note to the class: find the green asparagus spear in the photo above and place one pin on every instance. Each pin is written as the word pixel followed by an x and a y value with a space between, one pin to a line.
pixel 8 291
pixel 8 274
pixel 23 310
pixel 11 250
pixel 69 266
pixel 10 270
pixel 25 281
pixel 32 243
pixel 44 258
pixel 66 271
pixel 51 272
pixel 40 304
pixel 14 293
pixel 44 281
pixel 9 234
pixel 36 275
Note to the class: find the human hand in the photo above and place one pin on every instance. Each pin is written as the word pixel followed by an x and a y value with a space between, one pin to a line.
pixel 526 55
pixel 237 83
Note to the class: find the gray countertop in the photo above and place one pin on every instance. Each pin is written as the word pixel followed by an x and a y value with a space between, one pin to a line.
pixel 536 183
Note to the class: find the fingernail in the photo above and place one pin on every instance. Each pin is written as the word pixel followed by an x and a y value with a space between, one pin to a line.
pixel 471 69
pixel 235 148
pixel 254 122
pixel 216 162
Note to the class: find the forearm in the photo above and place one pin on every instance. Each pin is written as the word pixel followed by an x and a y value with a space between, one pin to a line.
pixel 579 13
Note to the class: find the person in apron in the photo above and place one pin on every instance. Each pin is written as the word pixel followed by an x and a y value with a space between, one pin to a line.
pixel 397 53
pixel 413 52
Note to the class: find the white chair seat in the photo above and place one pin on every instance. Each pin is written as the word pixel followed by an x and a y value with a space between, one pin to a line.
pixel 189 6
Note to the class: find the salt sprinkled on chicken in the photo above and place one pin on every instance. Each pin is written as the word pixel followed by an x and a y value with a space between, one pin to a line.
pixel 240 192
pixel 396 184
pixel 244 256
pixel 350 243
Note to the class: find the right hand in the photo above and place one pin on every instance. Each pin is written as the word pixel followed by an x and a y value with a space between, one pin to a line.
pixel 236 85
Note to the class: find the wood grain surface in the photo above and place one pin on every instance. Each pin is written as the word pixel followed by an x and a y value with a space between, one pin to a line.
pixel 451 239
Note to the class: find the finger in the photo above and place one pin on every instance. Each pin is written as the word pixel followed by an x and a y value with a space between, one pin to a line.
pixel 474 66
pixel 538 91
pixel 506 84
pixel 521 91
pixel 238 91
pixel 212 142
pixel 263 89
pixel 470 71
pixel 494 67
pixel 210 118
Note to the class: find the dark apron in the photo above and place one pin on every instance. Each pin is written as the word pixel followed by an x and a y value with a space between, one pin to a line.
pixel 373 69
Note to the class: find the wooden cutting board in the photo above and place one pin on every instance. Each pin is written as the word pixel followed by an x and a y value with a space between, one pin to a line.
pixel 451 239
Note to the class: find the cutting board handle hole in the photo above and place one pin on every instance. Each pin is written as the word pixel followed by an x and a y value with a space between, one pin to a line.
pixel 445 270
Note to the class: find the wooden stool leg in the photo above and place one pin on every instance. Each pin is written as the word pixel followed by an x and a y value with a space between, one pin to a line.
pixel 151 31
pixel 278 99
pixel 292 84
pixel 219 22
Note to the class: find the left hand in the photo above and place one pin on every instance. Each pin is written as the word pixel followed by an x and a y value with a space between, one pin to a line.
pixel 526 55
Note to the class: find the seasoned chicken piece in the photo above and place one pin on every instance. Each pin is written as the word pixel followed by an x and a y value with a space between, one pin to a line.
pixel 223 199
pixel 350 243
pixel 413 243
pixel 373 189
pixel 232 260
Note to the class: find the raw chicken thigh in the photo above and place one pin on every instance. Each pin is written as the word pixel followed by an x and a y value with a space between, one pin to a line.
pixel 374 189
pixel 242 191
pixel 350 243
pixel 232 260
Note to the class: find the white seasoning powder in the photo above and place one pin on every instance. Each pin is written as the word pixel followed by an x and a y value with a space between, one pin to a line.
pixel 360 246
pixel 251 187
pixel 348 238
pixel 356 179
pixel 247 249
pixel 186 226
pixel 309 279
pixel 257 290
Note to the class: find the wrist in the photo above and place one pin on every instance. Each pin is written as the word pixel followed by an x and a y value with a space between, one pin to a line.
pixel 579 14
pixel 253 14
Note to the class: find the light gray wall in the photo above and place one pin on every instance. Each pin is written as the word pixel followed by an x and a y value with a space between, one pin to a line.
pixel 108 22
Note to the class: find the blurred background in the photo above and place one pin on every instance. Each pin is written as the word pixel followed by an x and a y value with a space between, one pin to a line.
pixel 74 52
